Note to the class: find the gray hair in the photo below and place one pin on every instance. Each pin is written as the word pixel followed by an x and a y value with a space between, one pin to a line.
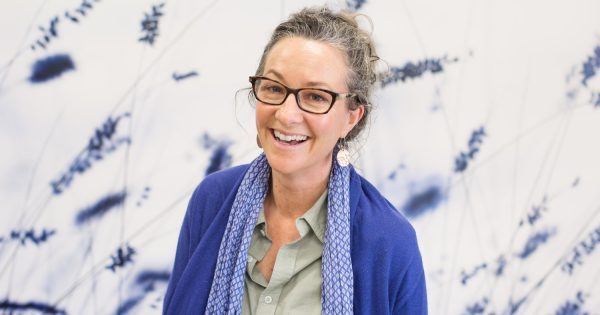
pixel 342 31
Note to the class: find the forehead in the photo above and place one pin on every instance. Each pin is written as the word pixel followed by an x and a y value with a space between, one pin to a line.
pixel 299 61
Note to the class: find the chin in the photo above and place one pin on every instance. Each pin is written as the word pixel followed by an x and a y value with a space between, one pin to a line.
pixel 283 165
pixel 297 166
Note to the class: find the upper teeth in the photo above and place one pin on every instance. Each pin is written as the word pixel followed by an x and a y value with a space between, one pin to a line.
pixel 283 137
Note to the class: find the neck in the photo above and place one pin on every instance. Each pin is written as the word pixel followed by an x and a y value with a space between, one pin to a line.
pixel 292 196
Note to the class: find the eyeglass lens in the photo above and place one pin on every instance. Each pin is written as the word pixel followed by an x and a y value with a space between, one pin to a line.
pixel 273 93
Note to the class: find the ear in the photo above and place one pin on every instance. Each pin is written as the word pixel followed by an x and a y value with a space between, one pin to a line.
pixel 354 116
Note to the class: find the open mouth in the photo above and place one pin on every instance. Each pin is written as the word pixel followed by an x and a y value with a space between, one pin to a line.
pixel 288 139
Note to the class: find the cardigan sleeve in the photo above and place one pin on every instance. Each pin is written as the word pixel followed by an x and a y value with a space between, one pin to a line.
pixel 206 193
pixel 203 226
pixel 199 241
pixel 182 257
pixel 412 297
pixel 387 263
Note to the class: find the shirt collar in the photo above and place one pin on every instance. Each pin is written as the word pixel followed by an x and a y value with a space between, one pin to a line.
pixel 316 216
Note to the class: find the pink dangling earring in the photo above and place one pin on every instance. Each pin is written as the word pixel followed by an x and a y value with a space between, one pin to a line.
pixel 343 156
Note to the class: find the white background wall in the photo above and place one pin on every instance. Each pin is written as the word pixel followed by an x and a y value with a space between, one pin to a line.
pixel 519 74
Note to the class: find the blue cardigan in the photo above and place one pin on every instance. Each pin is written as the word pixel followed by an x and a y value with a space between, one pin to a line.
pixel 388 271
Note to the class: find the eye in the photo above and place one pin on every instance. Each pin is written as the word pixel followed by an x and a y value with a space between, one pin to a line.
pixel 271 88
pixel 275 89
pixel 315 97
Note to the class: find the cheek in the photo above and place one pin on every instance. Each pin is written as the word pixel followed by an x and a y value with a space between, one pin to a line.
pixel 261 116
pixel 328 130
pixel 337 124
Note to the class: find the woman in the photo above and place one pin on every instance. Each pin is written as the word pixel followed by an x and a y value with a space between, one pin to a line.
pixel 298 231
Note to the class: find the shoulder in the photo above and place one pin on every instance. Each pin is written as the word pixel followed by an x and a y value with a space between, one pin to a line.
pixel 381 235
pixel 219 183
pixel 212 192
pixel 222 178
pixel 376 216
pixel 385 252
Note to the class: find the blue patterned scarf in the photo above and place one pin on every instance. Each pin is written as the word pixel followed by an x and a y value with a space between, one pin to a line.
pixel 226 293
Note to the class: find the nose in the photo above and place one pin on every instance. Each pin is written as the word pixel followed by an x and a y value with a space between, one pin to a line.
pixel 289 113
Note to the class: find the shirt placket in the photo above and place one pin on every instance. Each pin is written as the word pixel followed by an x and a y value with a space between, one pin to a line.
pixel 283 271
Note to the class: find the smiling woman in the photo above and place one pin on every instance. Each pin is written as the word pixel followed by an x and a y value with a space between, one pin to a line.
pixel 298 231
pixel 301 62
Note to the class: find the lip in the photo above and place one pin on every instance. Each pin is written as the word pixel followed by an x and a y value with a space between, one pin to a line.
pixel 285 145
pixel 287 133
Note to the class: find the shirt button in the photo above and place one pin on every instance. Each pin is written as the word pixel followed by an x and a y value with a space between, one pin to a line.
pixel 268 299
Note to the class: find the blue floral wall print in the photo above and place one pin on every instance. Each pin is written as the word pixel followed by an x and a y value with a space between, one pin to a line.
pixel 50 68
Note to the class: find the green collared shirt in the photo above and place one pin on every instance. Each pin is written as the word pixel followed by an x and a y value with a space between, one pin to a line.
pixel 295 286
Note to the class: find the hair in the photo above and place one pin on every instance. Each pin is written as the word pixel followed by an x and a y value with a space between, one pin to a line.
pixel 341 30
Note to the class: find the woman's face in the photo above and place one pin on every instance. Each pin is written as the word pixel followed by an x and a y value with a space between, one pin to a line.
pixel 300 63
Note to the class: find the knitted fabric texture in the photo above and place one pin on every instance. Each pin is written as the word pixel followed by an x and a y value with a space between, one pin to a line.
pixel 337 295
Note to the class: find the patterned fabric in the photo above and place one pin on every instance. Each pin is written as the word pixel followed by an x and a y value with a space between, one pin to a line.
pixel 338 280
pixel 226 292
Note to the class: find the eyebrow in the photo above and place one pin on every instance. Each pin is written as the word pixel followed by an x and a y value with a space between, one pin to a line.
pixel 311 84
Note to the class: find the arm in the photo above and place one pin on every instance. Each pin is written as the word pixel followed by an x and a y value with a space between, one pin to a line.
pixel 199 241
pixel 412 296
pixel 186 242
pixel 182 257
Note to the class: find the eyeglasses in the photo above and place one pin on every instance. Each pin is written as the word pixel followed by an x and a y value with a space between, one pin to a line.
pixel 316 101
